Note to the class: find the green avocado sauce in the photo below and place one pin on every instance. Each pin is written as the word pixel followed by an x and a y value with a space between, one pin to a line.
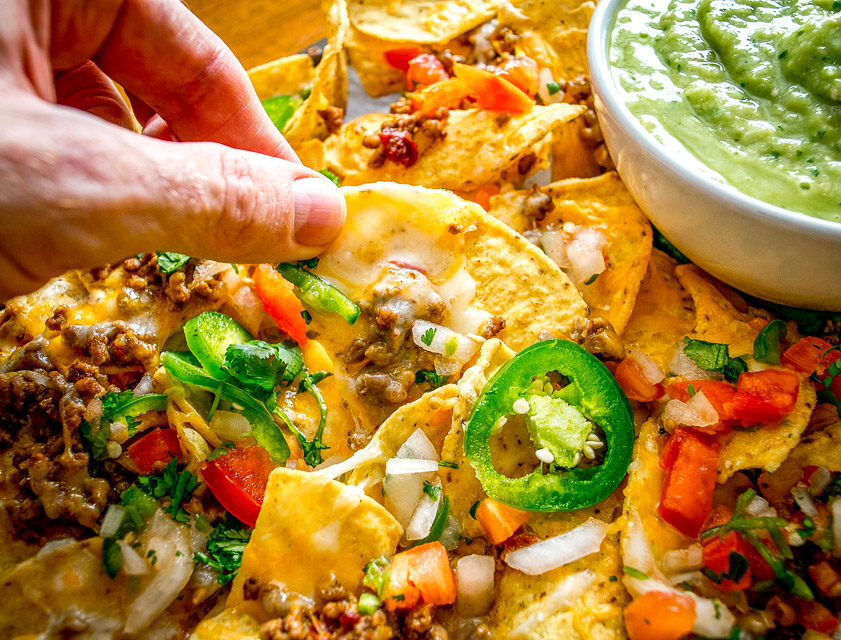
pixel 751 88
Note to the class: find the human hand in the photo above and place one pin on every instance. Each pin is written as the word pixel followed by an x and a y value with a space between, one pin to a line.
pixel 78 190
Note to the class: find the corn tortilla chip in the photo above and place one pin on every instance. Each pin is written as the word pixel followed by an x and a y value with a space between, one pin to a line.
pixel 478 148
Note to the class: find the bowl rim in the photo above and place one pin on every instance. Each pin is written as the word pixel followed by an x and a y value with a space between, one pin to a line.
pixel 598 43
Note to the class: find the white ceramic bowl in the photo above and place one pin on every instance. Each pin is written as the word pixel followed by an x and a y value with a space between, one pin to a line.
pixel 762 249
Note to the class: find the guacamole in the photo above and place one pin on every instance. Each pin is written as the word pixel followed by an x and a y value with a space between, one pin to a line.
pixel 751 88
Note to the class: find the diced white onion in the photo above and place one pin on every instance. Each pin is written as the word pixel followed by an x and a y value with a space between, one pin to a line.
pixel 559 550
pixel 206 269
pixel 404 491
pixel 712 618
pixel 403 466
pixel 554 245
pixel 475 585
pixel 759 508
pixel 694 579
pixel 562 597
pixel 133 563
pixel 590 237
pixel 452 533
pixel 651 371
pixel 835 508
pixel 683 559
pixel 804 500
pixel 585 261
pixel 144 387
pixel 112 521
pixel 447 366
pixel 230 425
pixel 418 446
pixel 684 366
pixel 247 309
pixel 443 340
pixel 697 412
pixel 819 480
pixel 533 236
pixel 636 551
pixel 424 516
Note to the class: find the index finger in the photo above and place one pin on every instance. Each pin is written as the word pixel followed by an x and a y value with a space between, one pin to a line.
pixel 162 53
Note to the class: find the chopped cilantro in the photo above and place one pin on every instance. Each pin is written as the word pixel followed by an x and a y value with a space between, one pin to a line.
pixel 431 490
pixel 737 567
pixel 225 546
pixel 96 440
pixel 307 316
pixel 428 336
pixel 377 572
pixel 112 557
pixel 691 390
pixel 169 261
pixel 260 366
pixel 447 464
pixel 473 508
pixel 332 176
pixel 312 449
pixel 178 487
pixel 552 87
pixel 612 579
pixel 431 377
pixel 635 573
pixel 591 279
pixel 714 356
pixel 662 243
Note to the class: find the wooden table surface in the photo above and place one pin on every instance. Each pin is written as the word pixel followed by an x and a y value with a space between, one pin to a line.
pixel 261 30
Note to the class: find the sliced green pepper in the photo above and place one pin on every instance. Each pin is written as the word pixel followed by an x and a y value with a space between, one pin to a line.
pixel 597 396
pixel 317 293
pixel 136 406
pixel 766 347
pixel 263 427
pixel 208 335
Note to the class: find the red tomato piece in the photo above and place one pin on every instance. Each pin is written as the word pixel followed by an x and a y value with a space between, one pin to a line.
pixel 493 92
pixel 238 481
pixel 522 72
pixel 719 393
pixel 660 615
pixel 425 70
pixel 759 568
pixel 835 386
pixel 400 58
pixel 280 302
pixel 687 495
pixel 399 147
pixel 636 387
pixel 764 397
pixel 447 94
pixel 805 355
pixel 815 616
pixel 717 552
pixel 159 445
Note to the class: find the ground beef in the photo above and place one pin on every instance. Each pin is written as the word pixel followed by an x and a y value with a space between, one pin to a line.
pixel 579 91
pixel 335 616
pixel 332 117
pixel 418 130
pixel 599 337
pixel 493 327
pixel 537 205
pixel 110 342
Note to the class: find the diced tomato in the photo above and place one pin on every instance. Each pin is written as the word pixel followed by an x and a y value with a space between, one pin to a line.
pixel 660 615
pixel 422 573
pixel 399 58
pixel 717 552
pixel 499 520
pixel 483 196
pixel 691 467
pixel 835 386
pixel 493 92
pixel 815 616
pixel 759 568
pixel 399 147
pixel 238 481
pixel 522 72
pixel 424 70
pixel 764 397
pixel 826 578
pixel 806 355
pixel 636 387
pixel 159 445
pixel 280 302
pixel 447 94
pixel 719 393
pixel 718 516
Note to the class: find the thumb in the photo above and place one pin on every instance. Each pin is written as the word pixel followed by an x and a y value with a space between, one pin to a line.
pixel 81 192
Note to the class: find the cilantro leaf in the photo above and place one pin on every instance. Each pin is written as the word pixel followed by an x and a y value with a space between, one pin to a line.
pixel 737 567
pixel 332 176
pixel 431 377
pixel 260 366
pixel 312 449
pixel 377 574
pixel 552 87
pixel 662 243
pixel 169 261
pixel 280 109
pixel 178 487
pixel 714 356
pixel 96 440
pixel 112 557
pixel 225 547
pixel 431 490
pixel 428 336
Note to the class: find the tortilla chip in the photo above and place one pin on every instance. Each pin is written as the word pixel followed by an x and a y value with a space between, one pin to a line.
pixel 478 148
pixel 367 57
pixel 602 203
pixel 311 528
pixel 572 157
pixel 822 447
pixel 663 314
pixel 237 623
pixel 419 21
pixel 480 266
pixel 285 76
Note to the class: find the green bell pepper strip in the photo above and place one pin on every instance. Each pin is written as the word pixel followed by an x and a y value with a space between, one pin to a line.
pixel 136 406
pixel 208 336
pixel 601 401
pixel 317 293
pixel 766 347
pixel 263 427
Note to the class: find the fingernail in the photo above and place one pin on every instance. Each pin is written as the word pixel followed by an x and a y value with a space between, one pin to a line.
pixel 319 211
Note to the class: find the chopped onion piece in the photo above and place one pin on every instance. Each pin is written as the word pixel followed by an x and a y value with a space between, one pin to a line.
pixel 418 446
pixel 684 366
pixel 819 480
pixel 561 598
pixel 112 521
pixel 683 559
pixel 804 500
pixel 585 262
pixel 144 387
pixel 590 237
pixel 229 425
pixel 403 466
pixel 133 563
pixel 206 269
pixel 698 412
pixel 554 245
pixel 424 516
pixel 533 236
pixel 712 618
pixel 444 341
pixel 447 366
pixel 636 551
pixel 559 550
pixel 759 507
pixel 835 508
pixel 475 585
pixel 651 371
pixel 404 491
pixel 452 533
